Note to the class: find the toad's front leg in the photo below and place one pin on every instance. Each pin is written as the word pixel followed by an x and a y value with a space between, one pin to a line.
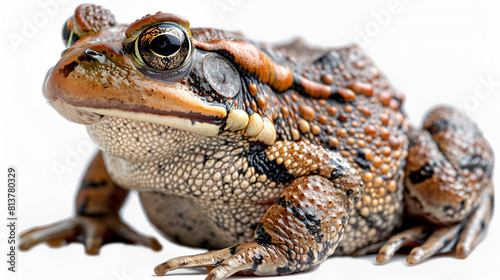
pixel 96 222
pixel 298 232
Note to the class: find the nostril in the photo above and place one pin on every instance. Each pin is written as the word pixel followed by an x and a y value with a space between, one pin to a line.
pixel 91 54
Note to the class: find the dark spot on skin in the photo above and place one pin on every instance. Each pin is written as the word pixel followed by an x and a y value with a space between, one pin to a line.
pixel 361 160
pixel 442 125
pixel 349 192
pixel 93 185
pixel 344 219
pixel 261 236
pixel 339 169
pixel 424 173
pixel 474 162
pixel 416 140
pixel 81 210
pixel 257 260
pixel 462 205
pixel 161 170
pixel 283 270
pixel 310 255
pixel 232 250
pixel 310 220
pixel 282 201
pixel 446 210
pixel 256 157
pixel 483 225
pixel 336 173
pixel 217 263
pixel 67 69
pixel 336 95
pixel 448 244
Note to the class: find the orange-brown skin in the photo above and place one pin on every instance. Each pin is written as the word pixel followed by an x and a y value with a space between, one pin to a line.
pixel 253 60
pixel 308 152
pixel 449 148
pixel 137 27
pixel 144 95
pixel 89 19
pixel 98 194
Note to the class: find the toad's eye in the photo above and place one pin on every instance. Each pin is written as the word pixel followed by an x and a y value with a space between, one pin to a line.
pixel 88 19
pixel 163 47
pixel 160 46
pixel 69 36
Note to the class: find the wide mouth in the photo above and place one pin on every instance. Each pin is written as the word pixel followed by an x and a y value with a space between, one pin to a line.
pixel 204 126
pixel 85 90
pixel 179 108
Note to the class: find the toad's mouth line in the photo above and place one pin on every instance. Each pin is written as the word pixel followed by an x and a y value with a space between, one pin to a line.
pixel 194 122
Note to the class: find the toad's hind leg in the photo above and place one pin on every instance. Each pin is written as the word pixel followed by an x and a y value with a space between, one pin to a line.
pixel 447 186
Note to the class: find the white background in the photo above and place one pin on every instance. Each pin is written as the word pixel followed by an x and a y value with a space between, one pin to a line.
pixel 433 51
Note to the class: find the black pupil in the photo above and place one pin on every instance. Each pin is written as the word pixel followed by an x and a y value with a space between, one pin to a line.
pixel 165 44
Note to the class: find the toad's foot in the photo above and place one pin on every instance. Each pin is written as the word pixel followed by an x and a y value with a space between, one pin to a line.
pixel 92 231
pixel 443 239
pixel 248 258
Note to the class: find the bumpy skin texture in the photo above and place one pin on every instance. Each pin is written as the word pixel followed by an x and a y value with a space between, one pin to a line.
pixel 285 155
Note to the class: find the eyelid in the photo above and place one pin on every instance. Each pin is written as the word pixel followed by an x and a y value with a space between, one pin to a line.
pixel 136 28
